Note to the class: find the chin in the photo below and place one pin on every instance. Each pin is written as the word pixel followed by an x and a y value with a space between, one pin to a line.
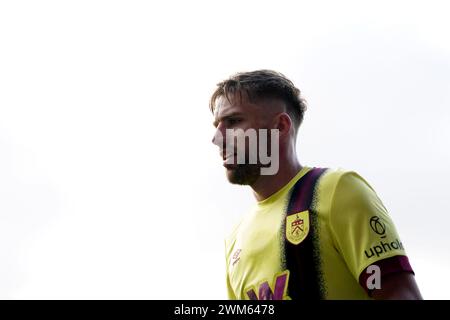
pixel 233 177
pixel 243 174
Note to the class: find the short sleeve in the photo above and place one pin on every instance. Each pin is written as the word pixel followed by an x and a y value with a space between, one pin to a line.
pixel 362 230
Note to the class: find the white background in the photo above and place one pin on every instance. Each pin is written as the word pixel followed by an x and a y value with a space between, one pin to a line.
pixel 109 185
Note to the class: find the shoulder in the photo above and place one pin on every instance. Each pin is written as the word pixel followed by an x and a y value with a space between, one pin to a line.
pixel 347 198
pixel 345 185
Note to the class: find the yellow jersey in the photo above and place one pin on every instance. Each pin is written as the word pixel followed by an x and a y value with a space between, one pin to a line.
pixel 344 229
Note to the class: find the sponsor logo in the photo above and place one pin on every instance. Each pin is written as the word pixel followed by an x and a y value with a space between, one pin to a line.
pixel 378 226
pixel 383 247
pixel 277 292
pixel 297 227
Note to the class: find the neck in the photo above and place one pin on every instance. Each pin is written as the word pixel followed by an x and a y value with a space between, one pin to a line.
pixel 266 186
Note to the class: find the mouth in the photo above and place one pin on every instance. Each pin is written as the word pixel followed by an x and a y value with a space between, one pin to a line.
pixel 229 160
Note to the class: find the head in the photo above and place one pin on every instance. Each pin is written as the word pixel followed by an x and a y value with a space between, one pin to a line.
pixel 261 99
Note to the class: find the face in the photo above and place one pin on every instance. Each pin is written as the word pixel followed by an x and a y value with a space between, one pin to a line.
pixel 237 114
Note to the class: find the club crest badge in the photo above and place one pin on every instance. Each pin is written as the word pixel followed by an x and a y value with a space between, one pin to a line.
pixel 297 227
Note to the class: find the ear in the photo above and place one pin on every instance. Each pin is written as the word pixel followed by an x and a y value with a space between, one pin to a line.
pixel 283 123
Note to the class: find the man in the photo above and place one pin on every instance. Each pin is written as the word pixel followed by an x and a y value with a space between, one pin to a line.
pixel 314 233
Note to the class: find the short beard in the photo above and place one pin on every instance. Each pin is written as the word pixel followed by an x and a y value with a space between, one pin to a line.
pixel 244 174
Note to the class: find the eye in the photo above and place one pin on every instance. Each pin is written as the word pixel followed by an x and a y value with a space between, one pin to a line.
pixel 233 121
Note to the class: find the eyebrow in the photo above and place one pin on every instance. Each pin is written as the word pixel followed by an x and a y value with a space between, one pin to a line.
pixel 227 116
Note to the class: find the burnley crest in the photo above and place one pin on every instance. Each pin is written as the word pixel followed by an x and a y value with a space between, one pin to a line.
pixel 297 227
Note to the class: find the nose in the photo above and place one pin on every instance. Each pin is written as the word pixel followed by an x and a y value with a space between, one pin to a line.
pixel 218 137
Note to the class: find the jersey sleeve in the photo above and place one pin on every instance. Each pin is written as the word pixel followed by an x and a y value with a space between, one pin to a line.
pixel 362 230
